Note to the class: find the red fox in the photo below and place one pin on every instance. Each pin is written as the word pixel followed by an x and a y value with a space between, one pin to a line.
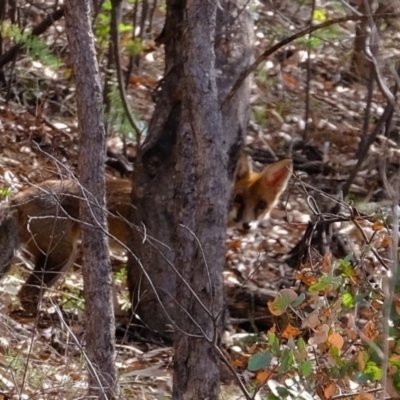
pixel 45 219
pixel 256 193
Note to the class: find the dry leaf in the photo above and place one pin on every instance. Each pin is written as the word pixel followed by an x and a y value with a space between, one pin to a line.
pixel 329 85
pixel 376 306
pixel 277 307
pixel 290 81
pixel 240 361
pixel 351 334
pixel 290 332
pixel 263 375
pixel 330 390
pixel 234 244
pixel 377 226
pixel 76 376
pixel 397 307
pixel 312 321
pixel 364 396
pixel 370 330
pixel 395 358
pixel 272 329
pixel 326 314
pixel 336 340
pixel 327 263
pixel 319 337
pixel 362 358
pixel 307 279
pixel 386 242
pixel 143 80
pixel 274 309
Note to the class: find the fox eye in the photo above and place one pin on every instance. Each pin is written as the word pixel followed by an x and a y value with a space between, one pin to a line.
pixel 239 199
pixel 262 205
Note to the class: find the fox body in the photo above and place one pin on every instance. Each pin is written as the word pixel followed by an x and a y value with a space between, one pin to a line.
pixel 45 219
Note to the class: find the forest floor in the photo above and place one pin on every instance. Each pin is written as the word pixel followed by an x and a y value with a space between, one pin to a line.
pixel 41 357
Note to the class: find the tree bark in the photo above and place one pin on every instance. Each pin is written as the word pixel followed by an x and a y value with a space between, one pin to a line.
pixel 100 324
pixel 182 183
pixel 158 177
pixel 366 37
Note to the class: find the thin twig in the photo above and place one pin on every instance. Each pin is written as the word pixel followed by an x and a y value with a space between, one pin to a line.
pixel 115 17
pixel 264 56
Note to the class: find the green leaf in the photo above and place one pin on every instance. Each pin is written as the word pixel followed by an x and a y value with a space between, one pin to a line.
pixel 348 300
pixel 299 300
pixel 107 5
pixel 274 343
pixel 327 282
pixel 121 275
pixel 282 391
pixel 360 297
pixel 301 344
pixel 362 379
pixel 259 361
pixel 5 192
pixel 395 362
pixel 134 46
pixel 346 267
pixel 122 28
pixel 282 303
pixel 306 368
pixel 287 361
pixel 335 352
pixel 373 372
pixel 319 15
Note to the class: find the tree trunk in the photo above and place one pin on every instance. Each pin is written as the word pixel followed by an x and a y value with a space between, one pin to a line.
pixel 158 190
pixel 182 183
pixel 100 326
pixel 366 38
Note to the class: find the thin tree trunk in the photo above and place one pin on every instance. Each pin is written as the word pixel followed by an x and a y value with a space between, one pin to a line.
pixel 183 179
pixel 200 235
pixel 100 324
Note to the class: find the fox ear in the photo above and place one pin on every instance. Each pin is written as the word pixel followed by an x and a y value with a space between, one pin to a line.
pixel 244 168
pixel 277 174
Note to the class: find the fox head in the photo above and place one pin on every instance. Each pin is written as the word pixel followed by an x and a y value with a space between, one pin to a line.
pixel 256 193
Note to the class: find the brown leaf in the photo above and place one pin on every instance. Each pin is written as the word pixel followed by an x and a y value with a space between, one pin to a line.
pixel 336 340
pixel 386 242
pixel 327 263
pixel 143 80
pixel 240 361
pixel 311 321
pixel 320 336
pixel 274 309
pixel 362 358
pixel 377 226
pixel 364 396
pixel 290 332
pixel 330 390
pixel 306 279
pixel 273 329
pixel 263 375
pixel 234 244
pixel 370 330
pixel 290 81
